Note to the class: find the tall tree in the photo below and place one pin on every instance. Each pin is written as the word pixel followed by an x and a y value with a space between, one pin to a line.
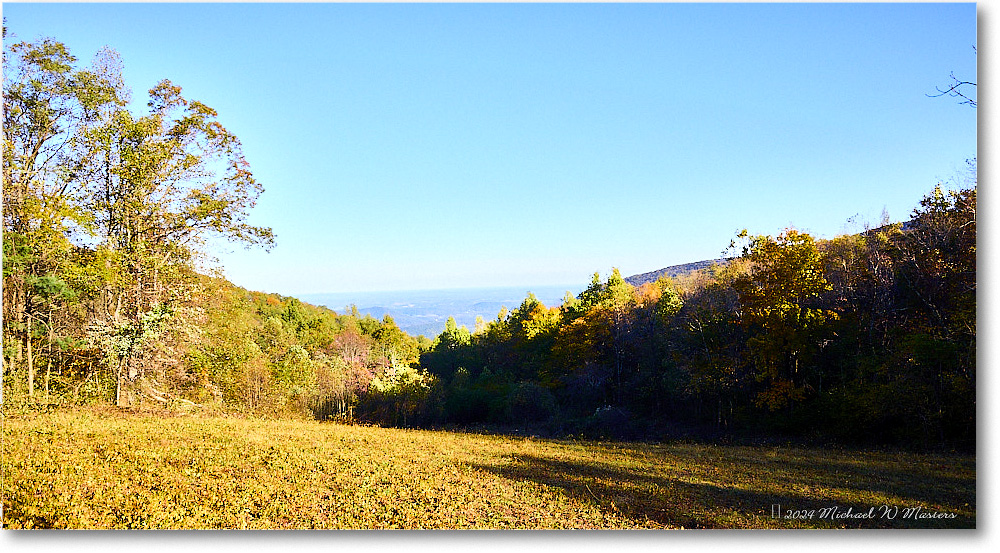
pixel 163 184
pixel 937 343
pixel 49 105
pixel 781 306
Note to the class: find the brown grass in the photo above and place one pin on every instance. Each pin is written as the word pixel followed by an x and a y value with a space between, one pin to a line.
pixel 87 469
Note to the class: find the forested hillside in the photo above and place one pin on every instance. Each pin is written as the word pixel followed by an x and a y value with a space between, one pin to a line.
pixel 862 338
pixel 107 298
pixel 673 271
pixel 105 218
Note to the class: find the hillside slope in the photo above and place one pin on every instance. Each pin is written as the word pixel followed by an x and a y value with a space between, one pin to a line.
pixel 672 271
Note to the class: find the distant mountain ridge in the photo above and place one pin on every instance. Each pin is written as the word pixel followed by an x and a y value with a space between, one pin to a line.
pixel 673 271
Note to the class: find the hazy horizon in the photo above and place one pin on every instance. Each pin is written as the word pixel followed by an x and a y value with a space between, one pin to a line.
pixel 426 311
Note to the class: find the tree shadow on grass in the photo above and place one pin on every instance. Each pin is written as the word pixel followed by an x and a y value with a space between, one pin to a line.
pixel 657 501
pixel 945 481
pixel 922 479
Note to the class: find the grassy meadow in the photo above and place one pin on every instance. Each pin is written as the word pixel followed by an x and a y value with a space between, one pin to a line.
pixel 100 469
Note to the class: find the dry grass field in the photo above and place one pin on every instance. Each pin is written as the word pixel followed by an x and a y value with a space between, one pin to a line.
pixel 101 470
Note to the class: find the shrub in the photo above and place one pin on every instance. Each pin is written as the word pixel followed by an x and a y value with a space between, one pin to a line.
pixel 529 402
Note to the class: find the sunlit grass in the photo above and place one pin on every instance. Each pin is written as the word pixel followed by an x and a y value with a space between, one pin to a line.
pixel 91 470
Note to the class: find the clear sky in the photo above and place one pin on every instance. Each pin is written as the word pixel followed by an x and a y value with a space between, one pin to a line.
pixel 455 145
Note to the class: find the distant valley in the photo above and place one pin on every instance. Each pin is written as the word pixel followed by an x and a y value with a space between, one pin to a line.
pixel 425 311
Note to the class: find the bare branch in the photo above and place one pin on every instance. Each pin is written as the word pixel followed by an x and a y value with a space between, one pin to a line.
pixel 955 91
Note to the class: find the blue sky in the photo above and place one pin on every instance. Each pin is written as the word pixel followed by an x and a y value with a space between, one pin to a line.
pixel 453 145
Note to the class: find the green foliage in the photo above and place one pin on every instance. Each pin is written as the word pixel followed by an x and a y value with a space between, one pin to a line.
pixel 104 213
pixel 47 288
pixel 124 339
pixel 866 338
pixel 781 305
pixel 399 397
pixel 669 303
pixel 528 402
pixel 269 354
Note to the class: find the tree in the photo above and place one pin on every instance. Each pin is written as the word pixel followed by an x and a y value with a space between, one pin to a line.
pixel 49 105
pixel 354 349
pixel 394 348
pixel 111 206
pixel 618 301
pixel 710 343
pixel 532 328
pixel 937 341
pixel 450 350
pixel 400 395
pixel 781 306
pixel 162 185
pixel 590 346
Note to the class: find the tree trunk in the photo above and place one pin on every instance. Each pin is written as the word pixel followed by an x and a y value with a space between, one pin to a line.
pixel 19 318
pixel 123 385
pixel 31 366
pixel 718 414
pixel 125 392
pixel 48 376
pixel 48 366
